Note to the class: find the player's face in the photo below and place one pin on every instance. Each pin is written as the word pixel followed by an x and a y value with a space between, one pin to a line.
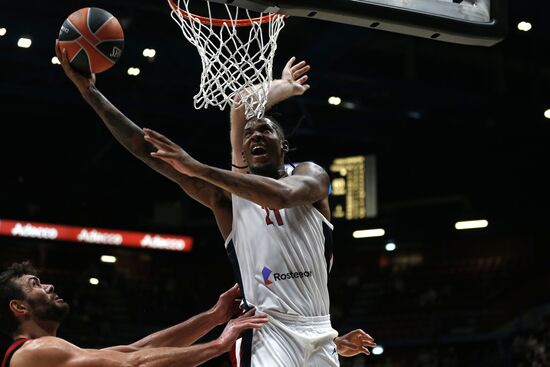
pixel 44 303
pixel 263 148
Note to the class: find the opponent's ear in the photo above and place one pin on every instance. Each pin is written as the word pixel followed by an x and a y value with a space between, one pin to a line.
pixel 19 308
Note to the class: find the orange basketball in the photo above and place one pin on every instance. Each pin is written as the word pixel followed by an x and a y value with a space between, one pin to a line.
pixel 93 38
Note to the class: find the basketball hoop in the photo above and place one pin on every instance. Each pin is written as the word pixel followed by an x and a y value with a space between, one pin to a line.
pixel 237 62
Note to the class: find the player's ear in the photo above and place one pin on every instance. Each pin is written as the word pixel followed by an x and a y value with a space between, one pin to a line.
pixel 19 308
pixel 243 156
pixel 285 146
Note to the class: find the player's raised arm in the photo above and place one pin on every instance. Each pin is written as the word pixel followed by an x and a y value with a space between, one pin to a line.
pixel 131 137
pixel 292 83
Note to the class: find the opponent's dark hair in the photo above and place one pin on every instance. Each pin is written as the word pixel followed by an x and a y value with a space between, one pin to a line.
pixel 10 290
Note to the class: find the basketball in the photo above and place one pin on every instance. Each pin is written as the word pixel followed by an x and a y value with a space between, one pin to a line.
pixel 93 38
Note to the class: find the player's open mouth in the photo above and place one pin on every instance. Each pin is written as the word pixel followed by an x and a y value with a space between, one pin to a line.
pixel 258 150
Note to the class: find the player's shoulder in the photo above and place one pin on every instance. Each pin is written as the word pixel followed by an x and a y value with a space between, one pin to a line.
pixel 309 168
pixel 45 349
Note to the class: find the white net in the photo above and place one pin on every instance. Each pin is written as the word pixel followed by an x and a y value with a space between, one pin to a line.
pixel 235 58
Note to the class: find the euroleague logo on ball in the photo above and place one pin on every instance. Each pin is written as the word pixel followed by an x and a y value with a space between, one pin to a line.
pixel 116 52
pixel 93 40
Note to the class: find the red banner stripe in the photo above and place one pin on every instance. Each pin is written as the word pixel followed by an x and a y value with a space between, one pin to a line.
pixel 112 237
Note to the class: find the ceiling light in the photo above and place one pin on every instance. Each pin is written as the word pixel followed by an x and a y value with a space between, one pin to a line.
pixel 524 26
pixel 3 31
pixel 335 101
pixel 24 42
pixel 378 350
pixel 149 52
pixel 108 259
pixel 547 113
pixel 390 246
pixel 379 232
pixel 471 224
pixel 133 71
pixel 94 281
pixel 55 60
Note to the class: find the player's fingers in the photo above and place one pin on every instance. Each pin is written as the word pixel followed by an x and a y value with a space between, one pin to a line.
pixel 302 80
pixel 157 143
pixel 62 57
pixel 366 351
pixel 243 324
pixel 362 334
pixel 162 155
pixel 348 344
pixel 159 140
pixel 253 323
pixel 366 337
pixel 158 136
pixel 290 62
pixel 298 66
pixel 248 313
pixel 61 54
pixel 368 343
pixel 57 53
pixel 298 73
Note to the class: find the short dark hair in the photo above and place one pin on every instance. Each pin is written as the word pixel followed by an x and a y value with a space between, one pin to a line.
pixel 10 290
pixel 277 125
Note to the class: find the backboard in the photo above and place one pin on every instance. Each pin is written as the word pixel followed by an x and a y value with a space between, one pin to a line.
pixel 468 22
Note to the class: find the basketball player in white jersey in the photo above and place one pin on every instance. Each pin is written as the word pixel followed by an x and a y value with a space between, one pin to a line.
pixel 276 230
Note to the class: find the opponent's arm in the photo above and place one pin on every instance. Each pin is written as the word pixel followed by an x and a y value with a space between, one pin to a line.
pixel 55 352
pixel 292 83
pixel 308 184
pixel 187 332
pixel 131 137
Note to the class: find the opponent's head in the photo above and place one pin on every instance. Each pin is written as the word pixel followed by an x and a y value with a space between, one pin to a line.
pixel 24 298
pixel 264 146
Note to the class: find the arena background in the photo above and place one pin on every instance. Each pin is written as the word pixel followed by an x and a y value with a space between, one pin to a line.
pixel 458 132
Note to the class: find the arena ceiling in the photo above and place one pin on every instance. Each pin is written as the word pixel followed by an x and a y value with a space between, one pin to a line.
pixel 458 131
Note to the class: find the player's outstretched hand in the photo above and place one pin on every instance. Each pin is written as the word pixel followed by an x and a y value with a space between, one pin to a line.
pixel 297 76
pixel 171 153
pixel 227 306
pixel 78 79
pixel 353 343
pixel 235 327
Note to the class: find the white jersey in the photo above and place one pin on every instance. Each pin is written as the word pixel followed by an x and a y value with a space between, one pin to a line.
pixel 281 257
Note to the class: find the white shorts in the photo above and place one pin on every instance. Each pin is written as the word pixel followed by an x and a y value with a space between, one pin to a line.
pixel 288 341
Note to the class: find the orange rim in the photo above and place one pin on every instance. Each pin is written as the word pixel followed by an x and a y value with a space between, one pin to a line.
pixel 221 22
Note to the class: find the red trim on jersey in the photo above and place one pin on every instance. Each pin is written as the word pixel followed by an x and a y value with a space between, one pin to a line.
pixel 12 349
pixel 233 355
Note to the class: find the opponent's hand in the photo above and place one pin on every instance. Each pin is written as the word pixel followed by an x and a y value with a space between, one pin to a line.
pixel 82 82
pixel 353 343
pixel 171 153
pixel 296 76
pixel 235 327
pixel 227 306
